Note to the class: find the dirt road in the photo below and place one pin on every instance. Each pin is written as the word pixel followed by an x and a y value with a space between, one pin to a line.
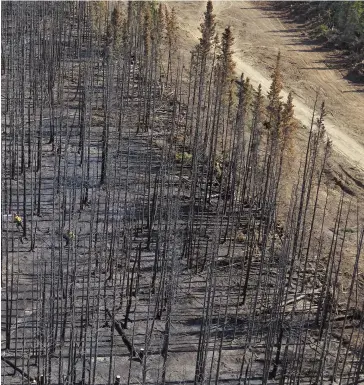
pixel 259 34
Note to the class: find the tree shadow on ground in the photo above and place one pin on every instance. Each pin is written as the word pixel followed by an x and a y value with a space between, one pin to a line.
pixel 336 59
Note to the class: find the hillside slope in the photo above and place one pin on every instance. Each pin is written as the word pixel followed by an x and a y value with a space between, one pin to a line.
pixel 259 33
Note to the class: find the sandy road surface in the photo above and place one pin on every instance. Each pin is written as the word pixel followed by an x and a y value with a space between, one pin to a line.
pixel 259 33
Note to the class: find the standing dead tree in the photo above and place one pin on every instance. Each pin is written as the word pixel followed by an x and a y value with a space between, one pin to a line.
pixel 150 196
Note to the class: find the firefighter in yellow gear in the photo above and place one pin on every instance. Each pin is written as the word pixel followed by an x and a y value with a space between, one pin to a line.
pixel 69 236
pixel 18 221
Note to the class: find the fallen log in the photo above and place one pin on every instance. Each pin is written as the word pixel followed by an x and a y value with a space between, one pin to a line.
pixel 17 369
pixel 128 344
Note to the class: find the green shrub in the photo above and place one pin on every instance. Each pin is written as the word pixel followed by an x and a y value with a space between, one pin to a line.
pixel 186 157
pixel 322 30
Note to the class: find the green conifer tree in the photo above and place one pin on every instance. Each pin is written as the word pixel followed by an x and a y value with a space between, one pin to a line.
pixel 274 98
